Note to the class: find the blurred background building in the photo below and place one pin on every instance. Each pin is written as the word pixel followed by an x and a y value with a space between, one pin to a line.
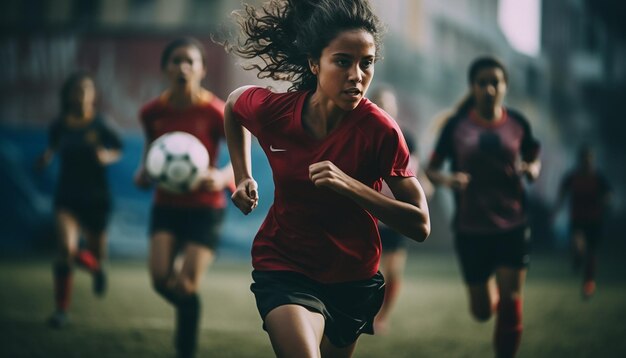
pixel 569 82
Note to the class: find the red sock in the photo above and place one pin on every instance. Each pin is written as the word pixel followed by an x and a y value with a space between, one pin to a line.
pixel 87 260
pixel 508 331
pixel 62 286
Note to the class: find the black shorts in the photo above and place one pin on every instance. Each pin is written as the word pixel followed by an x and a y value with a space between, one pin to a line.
pixel 348 308
pixel 480 255
pixel 92 214
pixel 198 225
pixel 391 240
pixel 592 233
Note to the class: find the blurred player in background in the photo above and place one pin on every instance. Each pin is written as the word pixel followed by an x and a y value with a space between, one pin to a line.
pixel 86 144
pixel 394 255
pixel 185 227
pixel 491 149
pixel 316 256
pixel 588 191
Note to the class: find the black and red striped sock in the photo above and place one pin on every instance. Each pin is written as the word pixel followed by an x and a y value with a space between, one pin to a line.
pixel 508 332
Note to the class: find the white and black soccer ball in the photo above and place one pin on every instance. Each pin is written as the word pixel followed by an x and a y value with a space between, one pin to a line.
pixel 175 160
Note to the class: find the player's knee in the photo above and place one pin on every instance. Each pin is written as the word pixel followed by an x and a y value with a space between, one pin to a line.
pixel 185 286
pixel 67 254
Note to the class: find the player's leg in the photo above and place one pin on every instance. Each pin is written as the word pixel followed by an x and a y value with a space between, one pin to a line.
pixel 508 331
pixel 392 267
pixel 477 263
pixel 591 236
pixel 577 247
pixel 513 251
pixel 295 331
pixel 196 258
pixel 161 262
pixel 483 298
pixel 67 235
pixel 93 258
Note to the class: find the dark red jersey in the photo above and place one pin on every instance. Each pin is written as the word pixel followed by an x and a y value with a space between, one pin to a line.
pixel 205 120
pixel 316 231
pixel 494 200
pixel 587 194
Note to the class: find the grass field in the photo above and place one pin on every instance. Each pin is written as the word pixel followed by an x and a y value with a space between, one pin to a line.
pixel 431 319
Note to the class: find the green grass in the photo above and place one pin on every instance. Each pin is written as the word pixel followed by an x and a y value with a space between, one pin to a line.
pixel 430 320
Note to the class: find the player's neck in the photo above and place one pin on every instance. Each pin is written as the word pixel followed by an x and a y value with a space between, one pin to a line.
pixel 186 97
pixel 318 120
pixel 80 115
pixel 490 114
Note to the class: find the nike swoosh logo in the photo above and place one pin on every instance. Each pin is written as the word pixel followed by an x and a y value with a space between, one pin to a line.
pixel 277 149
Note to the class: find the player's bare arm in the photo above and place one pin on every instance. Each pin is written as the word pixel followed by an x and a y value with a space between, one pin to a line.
pixel 455 180
pixel 108 156
pixel 408 214
pixel 238 139
pixel 141 178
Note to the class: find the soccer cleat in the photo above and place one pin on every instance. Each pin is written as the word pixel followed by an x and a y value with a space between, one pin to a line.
pixel 589 288
pixel 99 283
pixel 58 320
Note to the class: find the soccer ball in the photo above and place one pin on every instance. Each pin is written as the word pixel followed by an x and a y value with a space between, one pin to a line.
pixel 175 161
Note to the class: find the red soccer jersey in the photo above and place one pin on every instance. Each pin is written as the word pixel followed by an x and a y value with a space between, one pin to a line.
pixel 310 230
pixel 588 193
pixel 205 120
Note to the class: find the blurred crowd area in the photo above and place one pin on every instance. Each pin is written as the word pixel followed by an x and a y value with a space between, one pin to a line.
pixel 571 89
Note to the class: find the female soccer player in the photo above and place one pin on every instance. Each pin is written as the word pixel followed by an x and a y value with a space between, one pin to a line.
pixel 491 148
pixel 185 226
pixel 394 252
pixel 316 255
pixel 86 144
pixel 589 193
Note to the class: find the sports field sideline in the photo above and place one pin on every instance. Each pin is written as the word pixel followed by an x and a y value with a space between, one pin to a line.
pixel 431 319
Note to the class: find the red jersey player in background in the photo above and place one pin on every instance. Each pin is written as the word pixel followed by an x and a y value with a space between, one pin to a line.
pixel 491 149
pixel 316 256
pixel 588 191
pixel 184 228
pixel 86 144
pixel 394 255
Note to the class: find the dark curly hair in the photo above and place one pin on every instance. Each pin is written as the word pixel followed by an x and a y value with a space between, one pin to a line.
pixel 285 34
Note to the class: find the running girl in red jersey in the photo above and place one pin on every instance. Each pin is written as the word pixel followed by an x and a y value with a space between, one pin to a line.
pixel 589 192
pixel 316 256
pixel 491 148
pixel 86 144
pixel 184 228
